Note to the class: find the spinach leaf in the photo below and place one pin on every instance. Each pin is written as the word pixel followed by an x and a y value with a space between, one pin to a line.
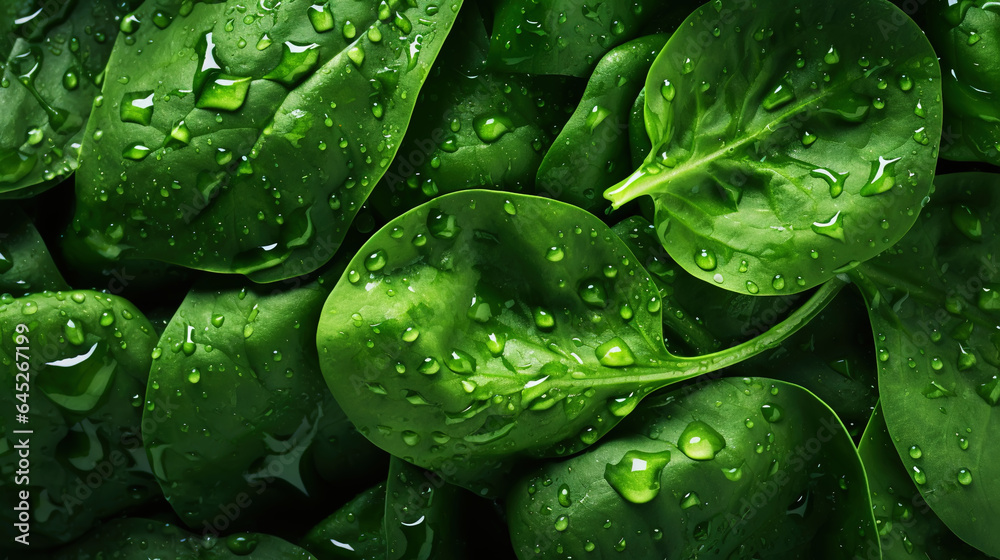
pixel 751 468
pixel 472 127
pixel 567 37
pixel 244 138
pixel 353 532
pixel 420 519
pixel 52 59
pixel 829 356
pixel 252 428
pixel 135 537
pixel 788 144
pixel 483 327
pixel 591 152
pixel 933 302
pixel 76 370
pixel 966 36
pixel 25 263
pixel 906 525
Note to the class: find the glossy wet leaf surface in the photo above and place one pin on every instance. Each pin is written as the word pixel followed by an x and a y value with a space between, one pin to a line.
pixel 136 538
pixel 734 468
pixel 474 127
pixel 591 152
pixel 907 527
pixel 52 60
pixel 966 36
pixel 193 164
pixel 88 356
pixel 566 37
pixel 353 532
pixel 934 317
pixel 252 425
pixel 464 357
pixel 792 144
pixel 25 263
pixel 420 519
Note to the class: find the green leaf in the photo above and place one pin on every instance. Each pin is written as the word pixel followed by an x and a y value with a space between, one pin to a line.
pixel 567 37
pixel 788 145
pixel 145 538
pixel 592 150
pixel 87 358
pixel 965 36
pixel 935 310
pixel 266 132
pixel 25 263
pixel 420 515
pixel 751 468
pixel 472 127
pixel 484 327
pixel 906 525
pixel 52 59
pixel 353 532
pixel 251 428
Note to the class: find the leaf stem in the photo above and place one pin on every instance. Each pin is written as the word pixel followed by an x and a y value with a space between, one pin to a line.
pixel 678 368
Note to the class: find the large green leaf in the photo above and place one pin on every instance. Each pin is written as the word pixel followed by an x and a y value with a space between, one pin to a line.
pixel 420 516
pixel 253 428
pixel 353 532
pixel 568 37
pixel 906 525
pixel 934 303
pixel 788 144
pixel 966 36
pixel 473 127
pixel 137 538
pixel 592 151
pixel 735 469
pixel 87 359
pixel 238 137
pixel 483 327
pixel 25 263
pixel 52 59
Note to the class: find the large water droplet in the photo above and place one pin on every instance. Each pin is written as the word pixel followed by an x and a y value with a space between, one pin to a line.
pixel 832 228
pixel 615 353
pixel 700 442
pixel 636 477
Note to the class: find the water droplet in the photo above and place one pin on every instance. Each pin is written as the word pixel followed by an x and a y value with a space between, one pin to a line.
pixel 136 152
pixel 733 474
pixel 544 320
pixel 882 178
pixel 752 287
pixel 832 228
pixel 73 332
pixel 964 477
pixel 690 500
pixel 596 116
pixel 833 179
pixel 918 476
pixel 460 362
pixel 564 498
pixel 297 62
pixel 967 222
pixel 562 523
pixel 376 261
pixel 442 226
pixel 489 129
pixel 779 96
pixel 321 17
pixel 429 366
pixel 831 56
pixel 636 477
pixel 194 375
pixel 700 442
pixel 905 82
pixel 224 92
pixel 410 334
pixel 593 294
pixel 705 259
pixel 615 353
pixel 555 254
pixel 509 208
pixel 667 90
pixel 771 412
